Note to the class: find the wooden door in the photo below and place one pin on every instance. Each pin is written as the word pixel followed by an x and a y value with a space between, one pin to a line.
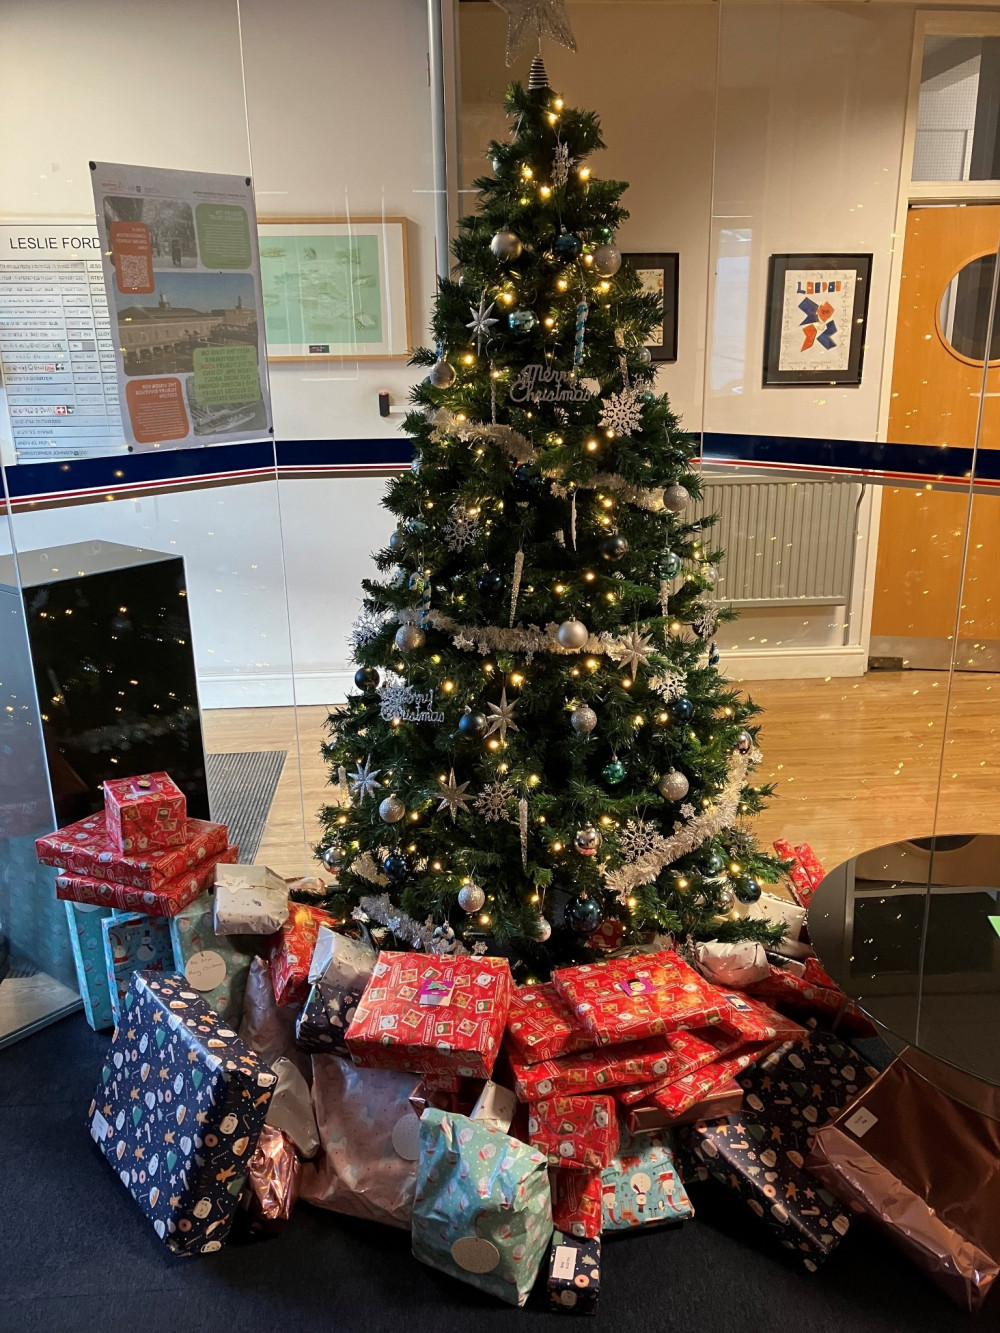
pixel 935 401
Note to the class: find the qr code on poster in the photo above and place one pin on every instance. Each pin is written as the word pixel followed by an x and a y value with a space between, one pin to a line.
pixel 133 272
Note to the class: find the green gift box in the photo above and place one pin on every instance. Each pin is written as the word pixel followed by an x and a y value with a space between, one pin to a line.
pixel 213 965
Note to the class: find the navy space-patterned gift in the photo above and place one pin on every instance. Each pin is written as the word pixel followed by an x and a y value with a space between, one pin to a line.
pixel 178 1111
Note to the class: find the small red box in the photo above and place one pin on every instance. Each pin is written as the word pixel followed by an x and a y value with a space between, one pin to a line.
pixel 145 814
pixel 85 848
pixel 576 1202
pixel 292 951
pixel 167 899
pixel 541 1027
pixel 806 872
pixel 430 1013
pixel 578 1133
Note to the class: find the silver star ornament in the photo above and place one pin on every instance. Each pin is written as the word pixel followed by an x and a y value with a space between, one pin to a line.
pixel 364 780
pixel 453 798
pixel 481 323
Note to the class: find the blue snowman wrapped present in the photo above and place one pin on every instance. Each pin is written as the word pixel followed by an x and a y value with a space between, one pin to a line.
pixel 482 1210
pixel 87 941
pixel 178 1111
pixel 641 1186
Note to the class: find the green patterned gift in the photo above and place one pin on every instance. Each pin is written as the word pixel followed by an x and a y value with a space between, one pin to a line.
pixel 211 964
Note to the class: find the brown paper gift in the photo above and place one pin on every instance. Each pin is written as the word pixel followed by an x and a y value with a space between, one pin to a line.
pixel 918 1153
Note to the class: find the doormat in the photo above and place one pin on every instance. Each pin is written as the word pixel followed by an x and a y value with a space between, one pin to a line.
pixel 241 789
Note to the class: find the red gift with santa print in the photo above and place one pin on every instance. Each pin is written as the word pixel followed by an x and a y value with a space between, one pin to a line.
pixel 689 1051
pixel 751 1020
pixel 292 950
pixel 576 1133
pixel 806 871
pixel 644 995
pixel 145 814
pixel 576 1201
pixel 166 899
pixel 541 1027
pixel 432 1014
pixel 813 992
pixel 686 1092
pixel 86 848
pixel 594 1071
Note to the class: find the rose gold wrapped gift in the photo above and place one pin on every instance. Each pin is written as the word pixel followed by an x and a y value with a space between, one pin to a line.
pixel 918 1153
pixel 272 1181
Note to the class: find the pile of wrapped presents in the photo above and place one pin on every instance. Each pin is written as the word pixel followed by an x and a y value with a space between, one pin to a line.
pixel 264 1053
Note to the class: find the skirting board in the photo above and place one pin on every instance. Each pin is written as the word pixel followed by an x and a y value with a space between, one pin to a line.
pixel 794 663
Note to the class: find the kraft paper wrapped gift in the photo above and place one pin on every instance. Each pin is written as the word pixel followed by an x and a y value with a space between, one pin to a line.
pixel 641 1186
pixel 576 1201
pixel 208 961
pixel 133 943
pixel 249 900
pixel 86 848
pixel 723 1101
pixel 540 1026
pixel 575 1132
pixel 369 1142
pixel 482 1210
pixel 643 995
pixel 574 1283
pixel 432 1013
pixel 338 973
pixel 146 813
pixel 178 1111
pixel 166 899
pixel 918 1154
pixel 292 951
pixel 87 942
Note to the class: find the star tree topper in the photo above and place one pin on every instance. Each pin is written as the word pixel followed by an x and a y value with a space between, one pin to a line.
pixel 542 18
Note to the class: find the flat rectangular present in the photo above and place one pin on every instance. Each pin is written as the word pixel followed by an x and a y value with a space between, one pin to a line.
pixel 576 1201
pixel 578 1133
pixel 635 1063
pixel 574 1283
pixel 178 1111
pixel 87 942
pixel 249 900
pixel 812 992
pixel 482 1210
pixel 167 899
pixel 145 814
pixel 291 952
pixel 339 971
pixel 689 1051
pixel 644 995
pixel 86 848
pixel 780 912
pixel 429 1013
pixel 752 1020
pixel 641 1187
pixel 133 943
pixel 541 1026
pixel 210 963
pixel 677 1098
pixel 723 1101
pixel 918 1154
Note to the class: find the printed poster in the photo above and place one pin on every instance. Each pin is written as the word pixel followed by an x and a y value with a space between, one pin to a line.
pixel 182 275
pixel 817 319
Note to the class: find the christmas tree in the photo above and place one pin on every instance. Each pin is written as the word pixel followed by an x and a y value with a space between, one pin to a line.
pixel 543 758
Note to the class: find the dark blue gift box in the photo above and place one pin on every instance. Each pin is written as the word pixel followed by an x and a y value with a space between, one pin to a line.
pixel 574 1274
pixel 178 1111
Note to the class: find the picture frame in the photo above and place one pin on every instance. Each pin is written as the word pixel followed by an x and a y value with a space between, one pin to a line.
pixel 660 273
pixel 811 300
pixel 335 288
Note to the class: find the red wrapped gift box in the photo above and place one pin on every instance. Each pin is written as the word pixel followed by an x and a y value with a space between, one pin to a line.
pixel 167 899
pixel 813 992
pixel 541 1027
pixel 684 1094
pixel 727 1099
pixel 689 1051
pixel 576 1202
pixel 145 814
pixel 594 1071
pixel 644 995
pixel 85 848
pixel 752 1020
pixel 578 1133
pixel 806 871
pixel 431 1013
pixel 291 953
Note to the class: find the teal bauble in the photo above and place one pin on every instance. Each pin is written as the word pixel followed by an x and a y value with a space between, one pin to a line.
pixel 584 914
pixel 746 889
pixel 522 321
pixel 714 864
pixel 669 565
pixel 613 773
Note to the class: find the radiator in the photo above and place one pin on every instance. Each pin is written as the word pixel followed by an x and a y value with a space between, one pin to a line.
pixel 785 541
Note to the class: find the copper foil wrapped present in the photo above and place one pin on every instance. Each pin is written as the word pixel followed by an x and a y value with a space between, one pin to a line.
pixel 918 1153
pixel 273 1180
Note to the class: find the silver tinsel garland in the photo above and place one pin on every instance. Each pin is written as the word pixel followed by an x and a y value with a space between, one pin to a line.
pixel 528 639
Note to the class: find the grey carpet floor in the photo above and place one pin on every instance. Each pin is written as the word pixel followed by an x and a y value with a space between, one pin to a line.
pixel 241 788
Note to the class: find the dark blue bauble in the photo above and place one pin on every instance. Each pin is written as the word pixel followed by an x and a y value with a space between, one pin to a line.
pixel 472 724
pixel 682 709
pixel 613 773
pixel 584 914
pixel 490 583
pixel 746 889
pixel 416 526
pixel 397 541
pixel 528 480
pixel 613 547
pixel 396 868
pixel 713 655
pixel 714 864
pixel 366 678
pixel 567 246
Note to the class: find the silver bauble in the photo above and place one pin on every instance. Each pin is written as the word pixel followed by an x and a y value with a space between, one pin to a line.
pixel 709 573
pixel 744 742
pixel 496 165
pixel 506 245
pixel 332 857
pixel 583 719
pixel 673 786
pixel 442 373
pixel 588 840
pixel 725 900
pixel 572 634
pixel 471 898
pixel 543 929
pixel 644 355
pixel 607 259
pixel 391 810
pixel 409 638
pixel 676 499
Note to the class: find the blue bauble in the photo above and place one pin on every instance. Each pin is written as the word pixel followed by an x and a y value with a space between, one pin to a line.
pixel 682 709
pixel 528 480
pixel 584 914
pixel 746 889
pixel 490 583
pixel 472 724
pixel 613 773
pixel 396 868
pixel 567 246
pixel 522 321
pixel 713 655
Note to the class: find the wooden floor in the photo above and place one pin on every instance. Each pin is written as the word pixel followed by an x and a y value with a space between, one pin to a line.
pixel 857 762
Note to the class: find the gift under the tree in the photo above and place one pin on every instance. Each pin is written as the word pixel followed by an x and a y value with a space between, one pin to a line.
pixel 291 1108
pixel 736 964
pixel 495 1106
pixel 780 912
pixel 576 1201
pixel 540 1026
pixel 482 1210
pixel 644 995
pixel 640 1186
pixel 369 1142
pixel 249 900
pixel 339 970
pixel 725 1100
pixel 918 1154
pixel 679 1097
pixel 752 1020
pixel 209 962
pixel 178 1111
pixel 812 992
pixel 266 1028
pixel 87 942
pixel 291 952
pixel 167 899
pixel 133 943
pixel 273 1178
pixel 575 1132
pixel 86 848
pixel 431 1013
pixel 637 1062
pixel 806 872
pixel 574 1283
pixel 760 1153
pixel 147 813
pixel 690 1051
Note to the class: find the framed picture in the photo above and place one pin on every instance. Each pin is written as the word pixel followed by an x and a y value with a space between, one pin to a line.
pixel 816 312
pixel 659 274
pixel 335 289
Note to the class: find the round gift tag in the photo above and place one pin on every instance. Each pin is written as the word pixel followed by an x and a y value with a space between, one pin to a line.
pixel 475 1255
pixel 205 970
pixel 406 1136
pixel 89 907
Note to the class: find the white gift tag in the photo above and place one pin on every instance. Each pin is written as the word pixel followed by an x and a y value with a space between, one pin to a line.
pixel 205 970
pixel 860 1122
pixel 475 1255
pixel 564 1262
pixel 406 1137
pixel 99 1128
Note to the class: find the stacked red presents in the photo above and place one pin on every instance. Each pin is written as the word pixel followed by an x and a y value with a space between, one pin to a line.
pixel 142 854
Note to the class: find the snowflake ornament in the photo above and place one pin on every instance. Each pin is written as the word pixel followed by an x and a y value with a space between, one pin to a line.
pixel 493 801
pixel 461 530
pixel 622 412
pixel 638 838
pixel 368 625
pixel 708 620
pixel 669 684
pixel 463 642
pixel 561 163
pixel 687 810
